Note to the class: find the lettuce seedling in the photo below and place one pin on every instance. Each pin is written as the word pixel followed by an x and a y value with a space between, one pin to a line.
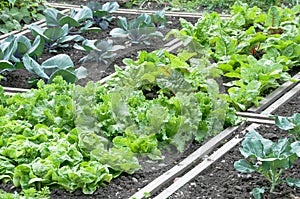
pixel 268 158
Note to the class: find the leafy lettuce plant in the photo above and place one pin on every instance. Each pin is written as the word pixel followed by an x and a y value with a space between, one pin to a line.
pixel 268 158
pixel 44 193
pixel 263 70
pixel 244 95
pixel 138 30
pixel 57 65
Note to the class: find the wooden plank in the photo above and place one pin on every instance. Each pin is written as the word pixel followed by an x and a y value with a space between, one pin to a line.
pixel 203 165
pixel 174 47
pixel 274 95
pixel 137 11
pixel 259 121
pixel 282 100
pixel 256 118
pixel 254 115
pixel 185 164
pixel 172 42
pixel 10 89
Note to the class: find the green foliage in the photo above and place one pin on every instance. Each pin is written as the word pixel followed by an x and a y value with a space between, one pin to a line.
pixel 140 29
pixel 30 193
pixel 258 192
pixel 59 65
pixel 40 144
pixel 74 19
pixel 210 5
pixel 101 12
pixel 161 75
pixel 252 47
pixel 268 158
pixel 14 48
pixel 54 37
pixel 292 124
pixel 81 137
pixel 101 51
pixel 14 14
pixel 93 17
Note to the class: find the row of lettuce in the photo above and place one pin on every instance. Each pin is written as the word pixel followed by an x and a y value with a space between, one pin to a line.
pixel 82 137
pixel 252 48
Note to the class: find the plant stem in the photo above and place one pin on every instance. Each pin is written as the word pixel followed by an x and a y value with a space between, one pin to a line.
pixel 274 178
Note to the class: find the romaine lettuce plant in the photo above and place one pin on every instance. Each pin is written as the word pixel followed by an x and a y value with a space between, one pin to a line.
pixel 268 158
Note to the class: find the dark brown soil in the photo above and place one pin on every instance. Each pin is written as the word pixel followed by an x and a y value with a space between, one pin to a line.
pixel 290 108
pixel 223 181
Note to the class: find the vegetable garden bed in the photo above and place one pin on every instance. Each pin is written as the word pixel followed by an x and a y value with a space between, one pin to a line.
pixel 223 181
pixel 148 115
pixel 20 78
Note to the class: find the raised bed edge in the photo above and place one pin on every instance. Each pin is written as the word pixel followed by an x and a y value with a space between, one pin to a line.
pixel 285 87
pixel 204 164
pixel 282 100
pixel 187 163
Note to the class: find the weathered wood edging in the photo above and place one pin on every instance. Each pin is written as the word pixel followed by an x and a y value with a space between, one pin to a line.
pixel 207 162
pixel 186 164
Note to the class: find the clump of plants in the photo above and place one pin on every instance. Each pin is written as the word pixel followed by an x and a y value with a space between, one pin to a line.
pixel 15 13
pixel 268 158
pixel 141 29
pixel 209 5
pixel 291 124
